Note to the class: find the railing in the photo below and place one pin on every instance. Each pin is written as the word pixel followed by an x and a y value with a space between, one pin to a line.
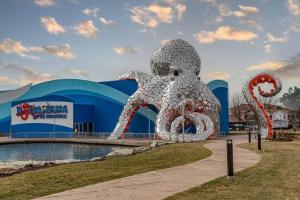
pixel 82 135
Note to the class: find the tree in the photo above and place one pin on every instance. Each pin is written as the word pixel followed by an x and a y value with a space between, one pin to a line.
pixel 267 102
pixel 236 105
pixel 291 100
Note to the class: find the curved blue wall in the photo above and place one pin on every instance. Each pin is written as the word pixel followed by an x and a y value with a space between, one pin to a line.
pixel 220 89
pixel 102 103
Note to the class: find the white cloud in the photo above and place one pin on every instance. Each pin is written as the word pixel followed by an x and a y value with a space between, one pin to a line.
pixel 107 22
pixel 125 50
pixel 224 33
pixel 152 15
pixel 63 51
pixel 180 8
pixel 9 46
pixel 163 42
pixel 252 23
pixel 268 48
pixel 272 38
pixel 23 75
pixel 45 3
pixel 248 9
pixel 218 75
pixel 5 80
pixel 79 72
pixel 86 29
pixel 52 26
pixel 269 65
pixel 91 12
pixel 294 7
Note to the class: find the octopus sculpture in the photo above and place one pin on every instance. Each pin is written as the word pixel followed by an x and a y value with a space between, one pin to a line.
pixel 264 119
pixel 175 89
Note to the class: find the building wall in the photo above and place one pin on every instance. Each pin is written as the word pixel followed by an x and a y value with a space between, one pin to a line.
pixel 101 103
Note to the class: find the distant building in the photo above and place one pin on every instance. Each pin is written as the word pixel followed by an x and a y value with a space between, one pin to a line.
pixel 247 118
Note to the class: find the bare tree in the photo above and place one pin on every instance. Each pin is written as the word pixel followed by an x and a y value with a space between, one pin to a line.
pixel 268 102
pixel 236 106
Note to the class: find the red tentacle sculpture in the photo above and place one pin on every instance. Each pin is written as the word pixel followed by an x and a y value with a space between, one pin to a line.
pixel 264 119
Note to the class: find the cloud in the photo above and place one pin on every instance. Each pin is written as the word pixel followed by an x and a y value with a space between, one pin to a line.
pixel 24 75
pixel 45 3
pixel 78 72
pixel 224 33
pixel 291 68
pixel 270 65
pixel 248 9
pixel 152 15
pixel 180 8
pixel 268 48
pixel 225 11
pixel 5 80
pixel 252 23
pixel 272 38
pixel 211 2
pixel 125 50
pixel 86 29
pixel 155 14
pixel 107 22
pixel 163 42
pixel 294 7
pixel 63 51
pixel 218 75
pixel 9 46
pixel 52 26
pixel 91 12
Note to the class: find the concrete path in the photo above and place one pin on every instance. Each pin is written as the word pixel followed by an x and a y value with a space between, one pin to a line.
pixel 163 183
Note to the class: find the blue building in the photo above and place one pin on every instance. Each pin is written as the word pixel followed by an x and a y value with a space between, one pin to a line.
pixel 71 105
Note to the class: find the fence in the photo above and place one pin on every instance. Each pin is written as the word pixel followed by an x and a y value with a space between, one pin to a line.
pixel 83 135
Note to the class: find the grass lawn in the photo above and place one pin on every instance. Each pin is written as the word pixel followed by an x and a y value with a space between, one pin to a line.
pixel 51 180
pixel 276 176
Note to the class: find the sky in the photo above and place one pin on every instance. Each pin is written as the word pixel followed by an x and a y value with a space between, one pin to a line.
pixel 100 40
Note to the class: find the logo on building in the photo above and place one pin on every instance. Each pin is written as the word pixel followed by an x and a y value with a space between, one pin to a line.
pixel 41 112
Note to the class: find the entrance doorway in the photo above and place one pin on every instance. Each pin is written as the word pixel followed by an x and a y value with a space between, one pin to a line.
pixel 84 127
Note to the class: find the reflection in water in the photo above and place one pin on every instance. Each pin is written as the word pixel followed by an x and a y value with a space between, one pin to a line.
pixel 52 151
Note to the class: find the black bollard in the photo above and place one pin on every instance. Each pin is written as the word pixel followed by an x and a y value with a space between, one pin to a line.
pixel 249 136
pixel 259 141
pixel 274 135
pixel 229 158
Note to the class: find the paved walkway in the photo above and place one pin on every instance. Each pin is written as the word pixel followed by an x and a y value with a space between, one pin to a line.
pixel 163 183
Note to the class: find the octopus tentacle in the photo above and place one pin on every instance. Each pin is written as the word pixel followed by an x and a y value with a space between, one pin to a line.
pixel 204 127
pixel 264 119
pixel 126 117
pixel 140 77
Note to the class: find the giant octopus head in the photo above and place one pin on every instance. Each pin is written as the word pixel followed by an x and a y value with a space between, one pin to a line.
pixel 175 57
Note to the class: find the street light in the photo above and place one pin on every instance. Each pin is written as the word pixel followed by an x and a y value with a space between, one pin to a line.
pixel 183 107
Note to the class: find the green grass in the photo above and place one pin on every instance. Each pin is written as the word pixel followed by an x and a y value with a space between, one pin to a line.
pixel 276 176
pixel 51 180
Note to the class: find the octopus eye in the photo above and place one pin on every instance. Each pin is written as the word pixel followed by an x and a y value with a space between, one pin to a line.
pixel 197 73
pixel 162 68
pixel 176 73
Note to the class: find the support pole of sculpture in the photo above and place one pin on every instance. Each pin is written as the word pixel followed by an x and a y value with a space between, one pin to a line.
pixel 264 120
pixel 175 89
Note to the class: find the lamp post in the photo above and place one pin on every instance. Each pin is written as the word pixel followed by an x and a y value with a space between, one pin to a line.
pixel 183 106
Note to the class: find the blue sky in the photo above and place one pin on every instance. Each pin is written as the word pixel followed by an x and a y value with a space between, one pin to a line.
pixel 100 39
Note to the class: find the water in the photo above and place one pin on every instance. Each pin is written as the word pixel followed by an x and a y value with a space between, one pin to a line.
pixel 18 154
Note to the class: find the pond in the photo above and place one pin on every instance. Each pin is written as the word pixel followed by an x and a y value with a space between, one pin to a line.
pixel 21 154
